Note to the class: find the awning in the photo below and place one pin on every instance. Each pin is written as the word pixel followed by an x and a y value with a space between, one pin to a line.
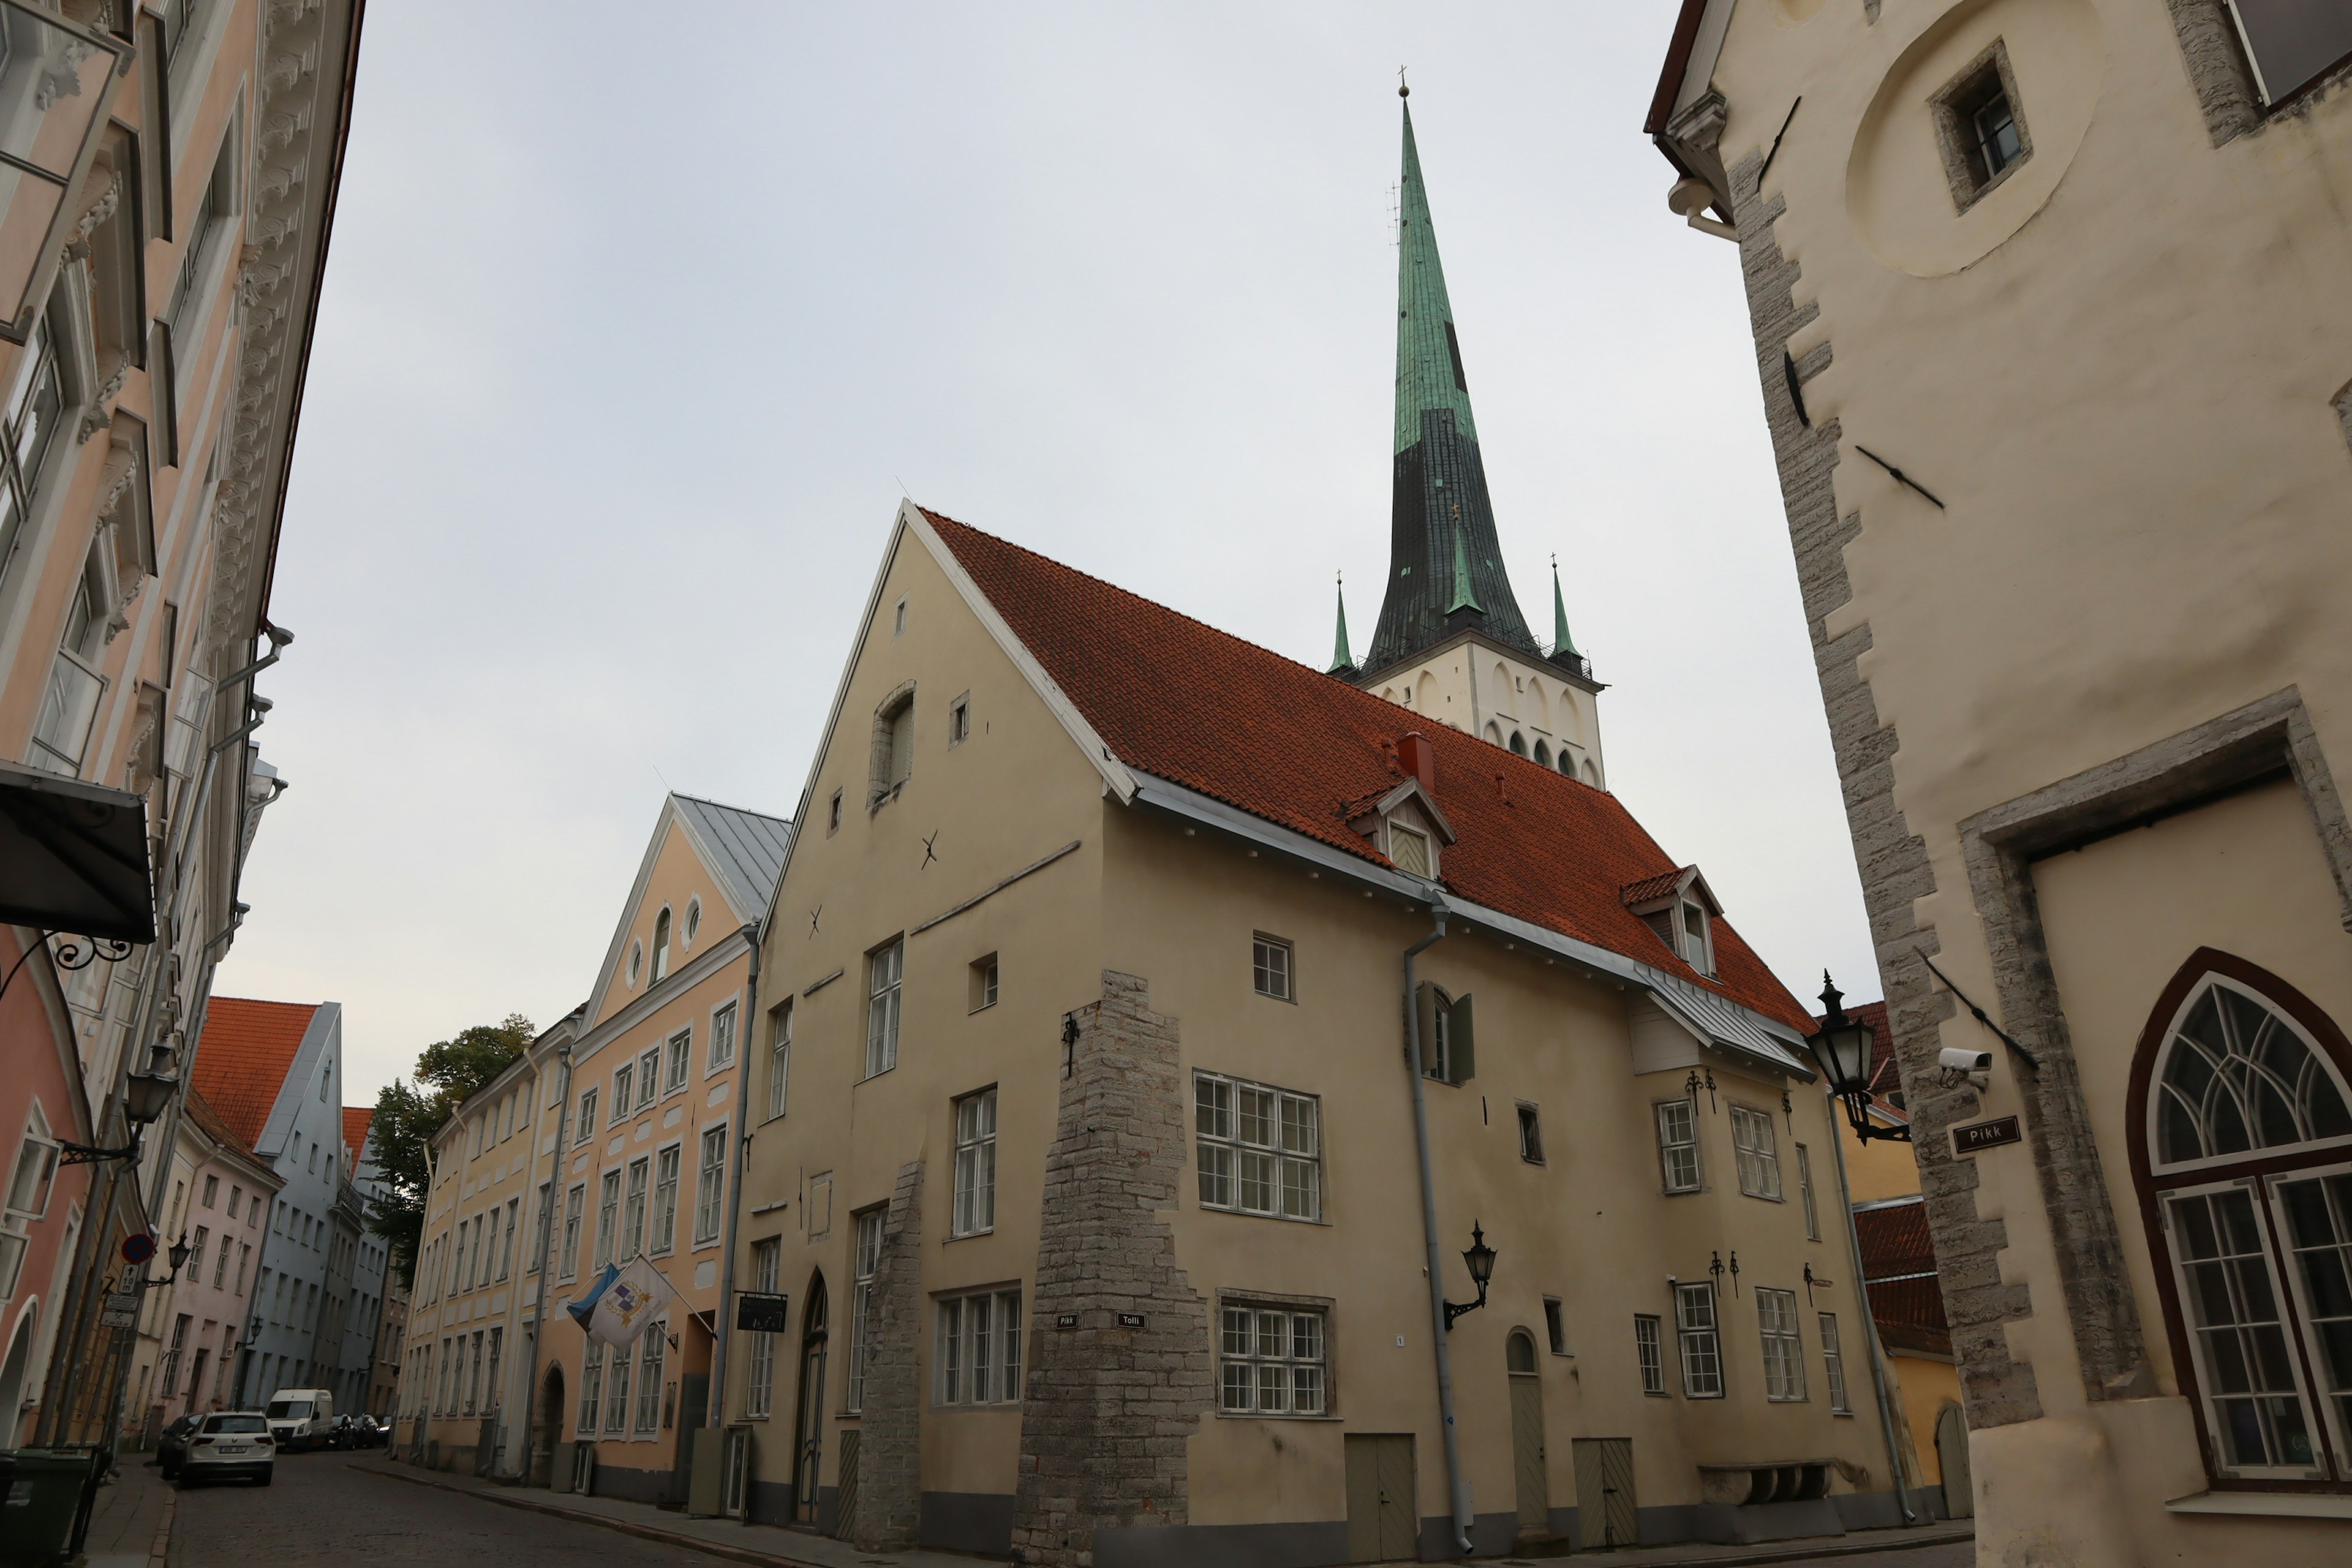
pixel 73 858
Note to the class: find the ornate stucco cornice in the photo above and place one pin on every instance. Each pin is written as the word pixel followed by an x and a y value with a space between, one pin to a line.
pixel 301 120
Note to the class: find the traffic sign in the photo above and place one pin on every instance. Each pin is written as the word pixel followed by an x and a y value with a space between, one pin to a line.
pixel 138 1248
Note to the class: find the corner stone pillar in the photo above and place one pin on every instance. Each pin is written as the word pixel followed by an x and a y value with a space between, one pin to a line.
pixel 890 1506
pixel 1107 1409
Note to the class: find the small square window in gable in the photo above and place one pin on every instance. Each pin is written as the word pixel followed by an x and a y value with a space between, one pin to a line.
pixel 1981 126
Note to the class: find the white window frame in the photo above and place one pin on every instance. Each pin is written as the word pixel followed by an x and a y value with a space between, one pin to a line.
pixel 709 1196
pixel 652 1365
pixel 720 1056
pixel 1834 1364
pixel 978 1364
pixel 760 1366
pixel 1805 1190
pixel 780 1059
pixel 1698 1338
pixel 1778 1328
pixel 608 1216
pixel 624 1083
pixel 973 1123
pixel 592 1388
pixel 637 1198
pixel 885 978
pixel 575 1214
pixel 1274 1359
pixel 661 1222
pixel 1273 967
pixel 1757 1153
pixel 1650 1353
pixel 677 1061
pixel 1672 1140
pixel 649 1076
pixel 865 1262
pixel 586 1121
pixel 1286 1167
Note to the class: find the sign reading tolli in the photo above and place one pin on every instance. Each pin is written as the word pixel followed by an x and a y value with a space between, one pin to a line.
pixel 1985 1135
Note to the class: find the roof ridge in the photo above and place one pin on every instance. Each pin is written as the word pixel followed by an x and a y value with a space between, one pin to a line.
pixel 739 810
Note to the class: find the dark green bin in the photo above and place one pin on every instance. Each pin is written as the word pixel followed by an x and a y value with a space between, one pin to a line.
pixel 46 1492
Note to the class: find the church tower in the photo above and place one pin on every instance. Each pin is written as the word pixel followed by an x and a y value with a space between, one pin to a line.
pixel 1451 642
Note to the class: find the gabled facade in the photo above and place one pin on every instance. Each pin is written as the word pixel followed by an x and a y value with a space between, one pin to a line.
pixel 221 1193
pixel 606 1141
pixel 1091 1173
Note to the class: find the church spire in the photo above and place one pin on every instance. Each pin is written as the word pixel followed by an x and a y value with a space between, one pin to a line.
pixel 1342 660
pixel 1562 644
pixel 1445 565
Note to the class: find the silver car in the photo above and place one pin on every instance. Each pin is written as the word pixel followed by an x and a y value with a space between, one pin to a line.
pixel 233 1445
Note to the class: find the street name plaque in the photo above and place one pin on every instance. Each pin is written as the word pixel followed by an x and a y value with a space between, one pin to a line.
pixel 1985 1136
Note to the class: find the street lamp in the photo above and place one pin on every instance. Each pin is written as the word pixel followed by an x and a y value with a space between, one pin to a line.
pixel 145 1097
pixel 1842 1047
pixel 1481 1259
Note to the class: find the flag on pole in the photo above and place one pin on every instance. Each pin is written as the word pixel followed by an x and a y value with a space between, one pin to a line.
pixel 622 1303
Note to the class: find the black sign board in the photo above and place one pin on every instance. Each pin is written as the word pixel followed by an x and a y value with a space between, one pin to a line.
pixel 1985 1136
pixel 1131 1320
pixel 761 1314
pixel 1065 1319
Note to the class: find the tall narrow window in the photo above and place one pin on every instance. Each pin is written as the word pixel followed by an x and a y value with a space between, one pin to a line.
pixel 981 984
pixel 608 1218
pixel 586 1129
pixel 978 1353
pixel 632 1213
pixel 539 1217
pixel 36 403
pixel 616 1390
pixel 69 706
pixel 1702 1347
pixel 679 1054
pixel 868 1258
pixel 885 969
pixel 1784 1350
pixel 648 1077
pixel 1270 967
pixel 506 1237
pixel 661 949
pixel 975 1164
pixel 1678 1145
pixel 1555 1326
pixel 1647 1354
pixel 1805 1192
pixel 664 1222
pixel 1260 1148
pixel 1530 1136
pixel 650 1346
pixel 722 1038
pixel 625 1079
pixel 1755 1152
pixel 490 1373
pixel 780 1057
pixel 213 209
pixel 567 1250
pixel 760 1369
pixel 711 1185
pixel 1271 1362
pixel 1834 1364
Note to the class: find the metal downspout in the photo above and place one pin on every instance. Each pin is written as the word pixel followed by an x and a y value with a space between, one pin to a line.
pixel 717 1403
pixel 1870 1328
pixel 546 1234
pixel 1457 1488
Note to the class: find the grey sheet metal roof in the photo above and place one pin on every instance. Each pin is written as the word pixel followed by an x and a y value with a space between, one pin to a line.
pixel 745 848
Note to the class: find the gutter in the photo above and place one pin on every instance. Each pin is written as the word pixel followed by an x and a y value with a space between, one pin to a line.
pixel 1457 1486
pixel 1870 1328
pixel 717 1405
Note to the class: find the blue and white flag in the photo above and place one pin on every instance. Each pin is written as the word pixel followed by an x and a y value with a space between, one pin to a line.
pixel 622 1303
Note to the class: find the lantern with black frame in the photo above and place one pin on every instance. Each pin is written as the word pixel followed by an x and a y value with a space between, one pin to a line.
pixel 1481 1259
pixel 1842 1047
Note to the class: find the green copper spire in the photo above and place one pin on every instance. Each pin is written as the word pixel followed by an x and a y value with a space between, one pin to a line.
pixel 1561 643
pixel 1429 354
pixel 1340 657
pixel 1464 599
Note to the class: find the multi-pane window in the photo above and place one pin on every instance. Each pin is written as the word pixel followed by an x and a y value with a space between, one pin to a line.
pixel 490 1373
pixel 1270 967
pixel 632 1212
pixel 1834 1362
pixel 1260 1148
pixel 677 1055
pixel 36 403
pixel 975 1164
pixel 1753 1147
pixel 650 1348
pixel 568 1256
pixel 506 1236
pixel 981 984
pixel 980 1348
pixel 884 968
pixel 1678 1144
pixel 780 1057
pixel 1649 1354
pixel 587 1121
pixel 61 733
pixel 616 1391
pixel 1702 1346
pixel 608 1218
pixel 661 949
pixel 649 1077
pixel 710 1184
pixel 1784 1347
pixel 1805 1193
pixel 664 1221
pixel 869 1259
pixel 760 1379
pixel 1270 1361
pixel 722 1038
pixel 625 1079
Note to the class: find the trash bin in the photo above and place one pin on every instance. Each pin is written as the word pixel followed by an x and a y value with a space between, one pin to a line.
pixel 46 1488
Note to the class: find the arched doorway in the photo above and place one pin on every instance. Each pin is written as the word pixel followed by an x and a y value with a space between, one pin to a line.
pixel 808 1424
pixel 549 1430
pixel 2241 1146
pixel 1952 1455
pixel 1528 1434
pixel 12 1371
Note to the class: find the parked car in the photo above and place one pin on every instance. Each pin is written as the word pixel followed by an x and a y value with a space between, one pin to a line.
pixel 379 1431
pixel 354 1432
pixel 300 1419
pixel 172 1446
pixel 230 1444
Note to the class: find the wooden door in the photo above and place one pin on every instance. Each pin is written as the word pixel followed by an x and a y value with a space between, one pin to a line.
pixel 1382 1525
pixel 1527 1454
pixel 1606 1513
pixel 1952 1457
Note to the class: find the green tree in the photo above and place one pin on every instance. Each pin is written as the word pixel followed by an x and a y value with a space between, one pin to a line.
pixel 407 1115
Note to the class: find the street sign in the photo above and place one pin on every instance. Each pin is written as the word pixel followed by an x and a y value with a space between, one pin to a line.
pixel 122 1310
pixel 1131 1320
pixel 138 1248
pixel 1065 1319
pixel 762 1313
pixel 1985 1136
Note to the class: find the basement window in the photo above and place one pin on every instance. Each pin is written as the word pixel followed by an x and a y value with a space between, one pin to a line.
pixel 1981 126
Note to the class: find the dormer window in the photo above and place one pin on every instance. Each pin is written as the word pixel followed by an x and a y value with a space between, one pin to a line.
pixel 1680 910
pixel 1698 950
pixel 1405 824
pixel 1409 848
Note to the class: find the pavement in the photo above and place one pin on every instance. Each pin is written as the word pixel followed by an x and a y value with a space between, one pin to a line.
pixel 131 1521
pixel 341 1508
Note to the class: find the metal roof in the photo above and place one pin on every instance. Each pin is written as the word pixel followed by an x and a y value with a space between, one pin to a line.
pixel 745 848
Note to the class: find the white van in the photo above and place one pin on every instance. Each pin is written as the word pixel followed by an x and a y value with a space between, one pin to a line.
pixel 300 1417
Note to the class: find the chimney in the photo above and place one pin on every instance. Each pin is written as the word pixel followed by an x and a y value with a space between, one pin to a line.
pixel 1420 759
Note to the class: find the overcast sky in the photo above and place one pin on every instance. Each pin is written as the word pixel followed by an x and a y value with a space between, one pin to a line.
pixel 632 334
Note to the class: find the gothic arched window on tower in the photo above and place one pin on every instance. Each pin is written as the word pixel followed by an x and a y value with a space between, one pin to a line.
pixel 1518 743
pixel 1543 754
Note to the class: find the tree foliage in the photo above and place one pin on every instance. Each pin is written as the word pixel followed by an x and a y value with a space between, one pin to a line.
pixel 409 1113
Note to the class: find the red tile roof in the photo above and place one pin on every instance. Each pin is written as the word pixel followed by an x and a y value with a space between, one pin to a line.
pixel 1650 888
pixel 1199 707
pixel 355 1125
pixel 1895 1240
pixel 1898 1270
pixel 200 1112
pixel 242 1059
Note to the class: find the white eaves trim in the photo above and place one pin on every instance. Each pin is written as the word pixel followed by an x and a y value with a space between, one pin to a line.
pixel 1713 1020
pixel 1706 49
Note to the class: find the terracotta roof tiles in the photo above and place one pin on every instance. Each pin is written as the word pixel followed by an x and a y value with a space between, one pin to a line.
pixel 355 1128
pixel 242 1060
pixel 1181 701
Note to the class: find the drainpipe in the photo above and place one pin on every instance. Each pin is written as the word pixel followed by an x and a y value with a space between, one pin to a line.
pixel 717 1405
pixel 546 1233
pixel 1457 1487
pixel 1870 1328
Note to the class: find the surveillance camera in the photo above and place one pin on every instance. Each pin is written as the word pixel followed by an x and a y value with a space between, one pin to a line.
pixel 1965 1062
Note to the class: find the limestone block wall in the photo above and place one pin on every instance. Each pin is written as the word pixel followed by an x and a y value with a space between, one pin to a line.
pixel 889 1502
pixel 1109 1404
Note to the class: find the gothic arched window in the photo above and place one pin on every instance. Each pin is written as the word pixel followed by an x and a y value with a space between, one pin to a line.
pixel 2243 1144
